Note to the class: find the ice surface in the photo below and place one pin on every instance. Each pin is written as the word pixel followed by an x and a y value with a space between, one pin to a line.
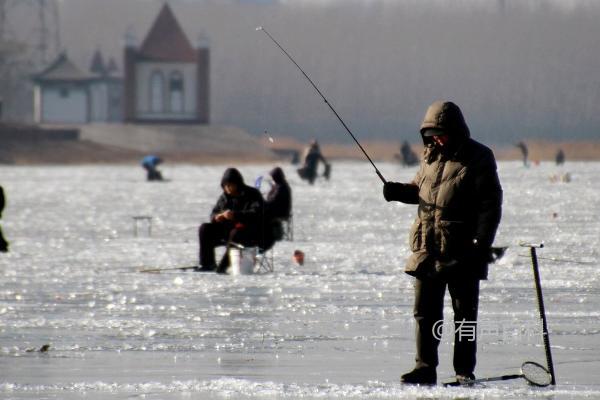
pixel 338 327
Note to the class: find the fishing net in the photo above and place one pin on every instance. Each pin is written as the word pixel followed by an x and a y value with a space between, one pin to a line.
pixel 536 374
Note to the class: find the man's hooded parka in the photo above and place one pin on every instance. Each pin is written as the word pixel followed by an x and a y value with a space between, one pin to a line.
pixel 459 197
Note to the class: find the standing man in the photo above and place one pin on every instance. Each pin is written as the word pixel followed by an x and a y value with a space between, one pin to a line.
pixel 460 199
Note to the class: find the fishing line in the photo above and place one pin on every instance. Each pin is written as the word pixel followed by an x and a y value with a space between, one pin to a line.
pixel 559 260
pixel 260 28
pixel 269 137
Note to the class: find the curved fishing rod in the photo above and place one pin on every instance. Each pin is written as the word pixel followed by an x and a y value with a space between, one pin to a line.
pixel 260 28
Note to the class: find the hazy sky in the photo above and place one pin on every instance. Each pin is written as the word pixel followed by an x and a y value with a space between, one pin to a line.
pixel 518 68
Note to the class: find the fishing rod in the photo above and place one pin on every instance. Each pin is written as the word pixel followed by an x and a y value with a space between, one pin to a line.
pixel 159 270
pixel 260 28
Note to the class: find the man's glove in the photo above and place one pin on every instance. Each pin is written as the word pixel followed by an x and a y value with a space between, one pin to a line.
pixel 393 191
pixel 483 254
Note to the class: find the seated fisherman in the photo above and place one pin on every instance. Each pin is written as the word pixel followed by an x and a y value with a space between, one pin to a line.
pixel 236 218
pixel 278 206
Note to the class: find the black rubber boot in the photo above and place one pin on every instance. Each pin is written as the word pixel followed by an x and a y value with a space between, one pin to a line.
pixel 420 376
pixel 205 268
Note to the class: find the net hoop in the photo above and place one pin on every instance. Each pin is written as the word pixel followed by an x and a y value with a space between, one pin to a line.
pixel 536 374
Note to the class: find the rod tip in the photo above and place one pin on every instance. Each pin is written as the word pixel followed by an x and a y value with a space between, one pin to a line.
pixel 259 28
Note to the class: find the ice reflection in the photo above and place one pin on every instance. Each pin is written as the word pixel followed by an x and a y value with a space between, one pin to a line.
pixel 338 327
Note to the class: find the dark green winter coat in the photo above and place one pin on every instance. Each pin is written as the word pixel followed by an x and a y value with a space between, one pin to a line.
pixel 459 197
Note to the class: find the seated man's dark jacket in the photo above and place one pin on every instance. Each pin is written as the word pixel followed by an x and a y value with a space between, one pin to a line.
pixel 279 198
pixel 247 207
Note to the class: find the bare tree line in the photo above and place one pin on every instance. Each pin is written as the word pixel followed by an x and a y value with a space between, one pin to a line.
pixel 29 39
pixel 10 59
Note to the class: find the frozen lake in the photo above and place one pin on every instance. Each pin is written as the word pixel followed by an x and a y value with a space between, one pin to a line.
pixel 338 327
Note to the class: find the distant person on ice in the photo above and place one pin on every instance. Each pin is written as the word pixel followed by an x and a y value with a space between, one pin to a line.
pixel 524 152
pixel 278 204
pixel 459 201
pixel 560 157
pixel 312 156
pixel 150 164
pixel 236 218
pixel 407 156
pixel 3 242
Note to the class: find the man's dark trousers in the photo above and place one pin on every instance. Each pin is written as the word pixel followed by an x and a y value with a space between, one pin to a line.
pixel 428 310
pixel 214 234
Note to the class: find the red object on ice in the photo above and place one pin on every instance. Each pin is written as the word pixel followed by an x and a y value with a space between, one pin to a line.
pixel 299 257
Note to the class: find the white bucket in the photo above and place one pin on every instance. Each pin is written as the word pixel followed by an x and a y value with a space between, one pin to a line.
pixel 242 261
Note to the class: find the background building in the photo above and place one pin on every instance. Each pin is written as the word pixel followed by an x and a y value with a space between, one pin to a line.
pixel 166 79
pixel 64 94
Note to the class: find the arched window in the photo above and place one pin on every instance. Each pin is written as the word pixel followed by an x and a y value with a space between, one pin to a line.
pixel 157 93
pixel 176 92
